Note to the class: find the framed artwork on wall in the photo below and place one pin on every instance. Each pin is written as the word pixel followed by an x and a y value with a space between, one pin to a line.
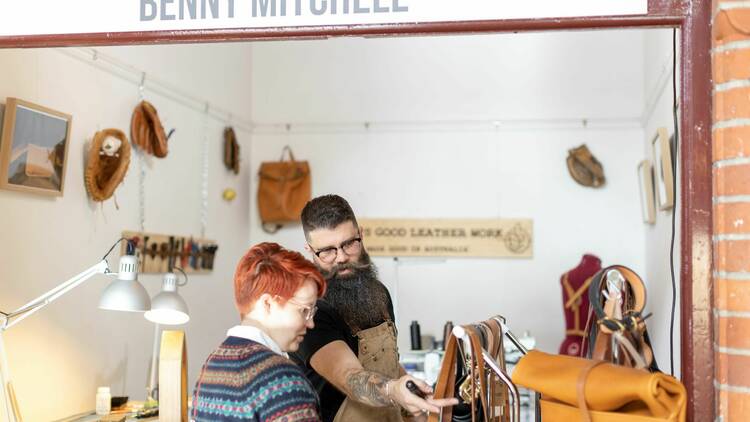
pixel 34 148
pixel 646 184
pixel 663 177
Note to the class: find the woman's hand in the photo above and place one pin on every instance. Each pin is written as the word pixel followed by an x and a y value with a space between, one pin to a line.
pixel 413 404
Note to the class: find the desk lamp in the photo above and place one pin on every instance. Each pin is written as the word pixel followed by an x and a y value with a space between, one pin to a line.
pixel 124 294
pixel 167 308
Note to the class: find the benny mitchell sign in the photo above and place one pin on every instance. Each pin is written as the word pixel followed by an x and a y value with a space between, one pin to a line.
pixel 44 17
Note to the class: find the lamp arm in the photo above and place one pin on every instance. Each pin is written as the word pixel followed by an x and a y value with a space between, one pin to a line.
pixel 30 308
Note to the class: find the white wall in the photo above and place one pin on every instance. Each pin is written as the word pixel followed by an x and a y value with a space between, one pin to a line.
pixel 448 168
pixel 658 89
pixel 59 356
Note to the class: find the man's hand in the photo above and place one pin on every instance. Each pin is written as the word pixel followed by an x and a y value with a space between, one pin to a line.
pixel 336 363
pixel 413 404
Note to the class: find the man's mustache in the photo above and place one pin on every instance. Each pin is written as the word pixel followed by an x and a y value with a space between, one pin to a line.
pixel 336 269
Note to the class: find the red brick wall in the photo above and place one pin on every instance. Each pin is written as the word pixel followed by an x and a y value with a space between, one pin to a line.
pixel 731 192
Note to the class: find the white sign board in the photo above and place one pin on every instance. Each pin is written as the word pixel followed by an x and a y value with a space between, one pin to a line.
pixel 45 17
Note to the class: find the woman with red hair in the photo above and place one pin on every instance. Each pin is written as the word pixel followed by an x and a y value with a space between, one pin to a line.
pixel 249 376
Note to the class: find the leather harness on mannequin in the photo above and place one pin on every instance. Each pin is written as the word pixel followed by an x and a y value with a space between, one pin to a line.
pixel 576 305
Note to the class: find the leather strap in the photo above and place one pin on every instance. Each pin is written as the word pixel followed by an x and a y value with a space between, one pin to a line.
pixel 581 389
pixel 288 149
pixel 477 368
pixel 498 393
pixel 574 303
pixel 635 282
pixel 446 382
pixel 574 295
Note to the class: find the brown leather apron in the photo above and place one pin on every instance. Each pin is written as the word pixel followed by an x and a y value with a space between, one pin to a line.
pixel 378 352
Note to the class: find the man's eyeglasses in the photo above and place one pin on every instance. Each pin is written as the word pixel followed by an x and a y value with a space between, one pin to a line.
pixel 349 247
pixel 308 312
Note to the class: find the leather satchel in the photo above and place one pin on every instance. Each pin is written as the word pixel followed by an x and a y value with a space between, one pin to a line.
pixel 577 389
pixel 283 191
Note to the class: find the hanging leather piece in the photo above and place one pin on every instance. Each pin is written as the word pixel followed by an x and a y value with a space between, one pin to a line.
pixel 585 168
pixel 146 130
pixel 231 150
pixel 107 163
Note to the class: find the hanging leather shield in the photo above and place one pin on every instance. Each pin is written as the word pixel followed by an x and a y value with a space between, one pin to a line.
pixel 146 130
pixel 231 151
pixel 105 167
pixel 585 168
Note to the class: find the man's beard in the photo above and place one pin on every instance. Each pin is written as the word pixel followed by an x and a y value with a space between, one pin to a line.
pixel 359 297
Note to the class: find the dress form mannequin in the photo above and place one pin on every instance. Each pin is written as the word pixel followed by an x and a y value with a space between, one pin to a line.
pixel 575 284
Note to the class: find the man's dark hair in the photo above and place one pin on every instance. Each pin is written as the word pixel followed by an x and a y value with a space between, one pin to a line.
pixel 326 212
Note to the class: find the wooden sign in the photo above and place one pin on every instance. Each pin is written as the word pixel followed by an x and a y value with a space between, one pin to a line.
pixel 173 377
pixel 490 238
pixel 159 253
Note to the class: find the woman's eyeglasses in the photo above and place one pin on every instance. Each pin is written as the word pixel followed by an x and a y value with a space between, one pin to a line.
pixel 308 312
pixel 349 247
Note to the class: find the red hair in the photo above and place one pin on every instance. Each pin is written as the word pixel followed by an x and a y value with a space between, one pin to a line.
pixel 269 268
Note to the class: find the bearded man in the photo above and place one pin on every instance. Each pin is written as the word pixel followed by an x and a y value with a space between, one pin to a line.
pixel 350 356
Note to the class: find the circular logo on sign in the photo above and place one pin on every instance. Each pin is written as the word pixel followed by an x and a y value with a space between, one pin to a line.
pixel 517 239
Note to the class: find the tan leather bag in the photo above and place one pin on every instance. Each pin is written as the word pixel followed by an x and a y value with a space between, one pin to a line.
pixel 283 191
pixel 577 389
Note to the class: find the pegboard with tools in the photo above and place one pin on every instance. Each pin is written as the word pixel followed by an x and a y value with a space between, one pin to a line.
pixel 159 253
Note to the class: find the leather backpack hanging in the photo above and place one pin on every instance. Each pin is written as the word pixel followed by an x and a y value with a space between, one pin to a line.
pixel 578 389
pixel 283 191
pixel 107 163
pixel 617 330
pixel 231 151
pixel 585 168
pixel 146 130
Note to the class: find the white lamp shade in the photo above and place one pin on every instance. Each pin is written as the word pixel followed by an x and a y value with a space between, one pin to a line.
pixel 126 293
pixel 168 307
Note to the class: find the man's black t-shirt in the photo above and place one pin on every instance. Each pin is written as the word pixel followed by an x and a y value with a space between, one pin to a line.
pixel 329 327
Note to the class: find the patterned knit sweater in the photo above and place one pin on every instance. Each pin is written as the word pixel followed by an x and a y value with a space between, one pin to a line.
pixel 245 381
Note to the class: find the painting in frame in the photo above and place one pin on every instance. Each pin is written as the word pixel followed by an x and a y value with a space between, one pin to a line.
pixel 646 184
pixel 34 148
pixel 663 176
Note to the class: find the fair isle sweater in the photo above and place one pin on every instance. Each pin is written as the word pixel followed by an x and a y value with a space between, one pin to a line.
pixel 243 380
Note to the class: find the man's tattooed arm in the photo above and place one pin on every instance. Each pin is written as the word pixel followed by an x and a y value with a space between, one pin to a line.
pixel 368 388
